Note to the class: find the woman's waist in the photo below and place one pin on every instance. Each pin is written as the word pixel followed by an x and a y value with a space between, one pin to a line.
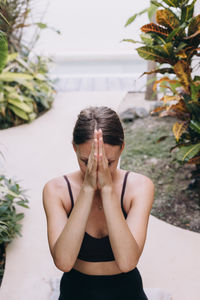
pixel 97 268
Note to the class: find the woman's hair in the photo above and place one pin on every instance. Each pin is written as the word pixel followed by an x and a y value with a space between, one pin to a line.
pixel 98 117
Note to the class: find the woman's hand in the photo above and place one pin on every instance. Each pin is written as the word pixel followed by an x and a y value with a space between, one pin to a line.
pixel 104 177
pixel 91 171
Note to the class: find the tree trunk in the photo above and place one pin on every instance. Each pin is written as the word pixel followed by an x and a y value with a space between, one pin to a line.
pixel 151 65
pixel 149 93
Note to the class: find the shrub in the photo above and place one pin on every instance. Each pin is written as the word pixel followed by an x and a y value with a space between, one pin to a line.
pixel 173 41
pixel 26 90
pixel 11 196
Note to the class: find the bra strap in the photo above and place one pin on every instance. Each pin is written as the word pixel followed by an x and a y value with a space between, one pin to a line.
pixel 70 190
pixel 123 191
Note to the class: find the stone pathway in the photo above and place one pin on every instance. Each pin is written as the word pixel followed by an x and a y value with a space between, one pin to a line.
pixel 37 152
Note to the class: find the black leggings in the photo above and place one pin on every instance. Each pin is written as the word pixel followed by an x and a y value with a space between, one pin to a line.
pixel 75 285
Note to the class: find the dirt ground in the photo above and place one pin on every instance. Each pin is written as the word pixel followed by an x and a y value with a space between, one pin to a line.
pixel 176 199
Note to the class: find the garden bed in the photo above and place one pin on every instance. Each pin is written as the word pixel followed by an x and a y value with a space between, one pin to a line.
pixel 176 199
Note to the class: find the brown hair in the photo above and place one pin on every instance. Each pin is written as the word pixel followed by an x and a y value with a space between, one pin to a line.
pixel 98 117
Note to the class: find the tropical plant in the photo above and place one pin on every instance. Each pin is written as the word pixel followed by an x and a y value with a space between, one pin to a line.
pixel 26 90
pixel 11 196
pixel 15 17
pixel 173 42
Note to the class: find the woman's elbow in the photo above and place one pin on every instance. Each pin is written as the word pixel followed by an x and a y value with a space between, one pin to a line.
pixel 127 268
pixel 62 263
pixel 129 265
pixel 64 267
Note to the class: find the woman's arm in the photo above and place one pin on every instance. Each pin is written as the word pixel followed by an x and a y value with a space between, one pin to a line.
pixel 65 235
pixel 127 236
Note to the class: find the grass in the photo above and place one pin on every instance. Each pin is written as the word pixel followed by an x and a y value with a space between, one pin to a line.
pixel 149 154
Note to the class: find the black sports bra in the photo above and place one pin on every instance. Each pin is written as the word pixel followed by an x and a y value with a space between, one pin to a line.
pixel 96 249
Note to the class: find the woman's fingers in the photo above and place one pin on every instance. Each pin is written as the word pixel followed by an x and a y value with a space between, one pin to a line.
pixel 92 160
pixel 95 153
pixel 102 156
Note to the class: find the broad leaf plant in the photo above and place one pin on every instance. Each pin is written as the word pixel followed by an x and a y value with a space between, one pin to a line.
pixel 173 41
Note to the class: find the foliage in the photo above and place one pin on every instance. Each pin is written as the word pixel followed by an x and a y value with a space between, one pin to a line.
pixel 11 196
pixel 15 17
pixel 3 51
pixel 26 91
pixel 173 41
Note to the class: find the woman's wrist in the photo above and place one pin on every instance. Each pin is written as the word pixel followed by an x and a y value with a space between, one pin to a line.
pixel 106 190
pixel 88 189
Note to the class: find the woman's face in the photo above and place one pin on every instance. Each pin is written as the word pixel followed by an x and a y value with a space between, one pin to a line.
pixel 112 154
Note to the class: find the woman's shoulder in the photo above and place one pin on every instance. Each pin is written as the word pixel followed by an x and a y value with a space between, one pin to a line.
pixel 139 178
pixel 136 177
pixel 58 184
pixel 136 182
pixel 55 190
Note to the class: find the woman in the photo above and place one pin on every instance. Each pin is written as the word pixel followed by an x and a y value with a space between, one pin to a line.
pixel 97 217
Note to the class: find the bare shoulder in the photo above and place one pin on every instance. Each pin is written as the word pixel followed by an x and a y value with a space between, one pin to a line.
pixel 53 186
pixel 52 193
pixel 140 187
pixel 140 180
pixel 56 189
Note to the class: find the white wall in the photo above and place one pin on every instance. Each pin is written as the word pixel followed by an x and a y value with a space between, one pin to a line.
pixel 89 26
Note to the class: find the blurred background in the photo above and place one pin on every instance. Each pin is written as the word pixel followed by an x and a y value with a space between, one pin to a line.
pixel 89 54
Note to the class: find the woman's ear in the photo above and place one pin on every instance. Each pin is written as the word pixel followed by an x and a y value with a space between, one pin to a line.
pixel 74 146
pixel 122 147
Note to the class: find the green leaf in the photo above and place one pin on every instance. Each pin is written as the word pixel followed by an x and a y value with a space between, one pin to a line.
pixel 6 190
pixel 3 51
pixel 41 25
pixel 21 78
pixel 166 49
pixel 187 12
pixel 151 53
pixel 195 91
pixel 132 19
pixel 147 39
pixel 23 205
pixel 177 31
pixel 2 16
pixel 23 106
pixel 20 113
pixel 195 125
pixel 172 3
pixel 157 39
pixel 151 11
pixel 12 76
pixel 2 210
pixel 11 57
pixel 156 3
pixel 131 41
pixel 196 78
pixel 187 152
pixel 19 217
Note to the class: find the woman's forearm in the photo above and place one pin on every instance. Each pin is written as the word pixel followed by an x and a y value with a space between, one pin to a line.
pixel 124 246
pixel 68 244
